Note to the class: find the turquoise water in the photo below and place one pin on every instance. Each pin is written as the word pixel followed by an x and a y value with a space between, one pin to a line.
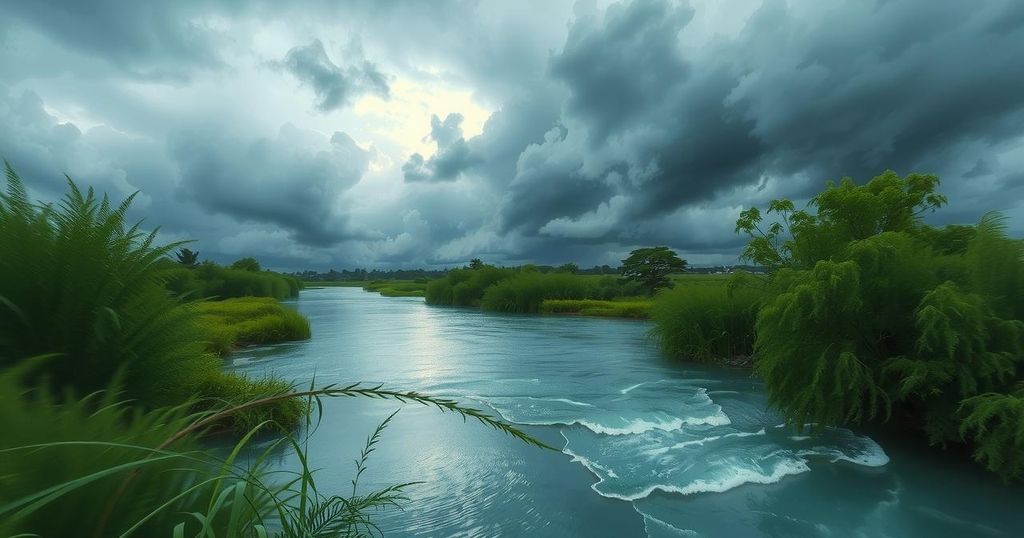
pixel 649 447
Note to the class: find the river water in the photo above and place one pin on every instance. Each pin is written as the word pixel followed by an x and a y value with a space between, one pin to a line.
pixel 649 447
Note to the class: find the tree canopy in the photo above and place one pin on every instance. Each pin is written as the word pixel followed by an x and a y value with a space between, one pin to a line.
pixel 187 257
pixel 246 264
pixel 873 314
pixel 651 266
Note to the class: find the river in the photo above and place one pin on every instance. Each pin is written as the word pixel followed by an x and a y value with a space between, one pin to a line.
pixel 649 447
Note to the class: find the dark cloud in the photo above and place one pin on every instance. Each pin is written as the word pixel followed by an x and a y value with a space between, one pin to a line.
pixel 453 156
pixel 335 86
pixel 649 122
pixel 153 40
pixel 853 90
pixel 293 181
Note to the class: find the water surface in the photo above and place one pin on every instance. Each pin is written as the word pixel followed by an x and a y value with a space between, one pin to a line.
pixel 649 447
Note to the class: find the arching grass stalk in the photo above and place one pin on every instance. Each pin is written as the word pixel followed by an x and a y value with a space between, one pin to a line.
pixel 217 496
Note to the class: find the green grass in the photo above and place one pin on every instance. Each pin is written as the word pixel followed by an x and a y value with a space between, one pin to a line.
pixel 99 467
pixel 706 320
pixel 637 309
pixel 398 288
pixel 524 292
pixel 233 323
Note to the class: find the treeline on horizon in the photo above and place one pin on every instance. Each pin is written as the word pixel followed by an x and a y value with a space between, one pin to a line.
pixel 363 275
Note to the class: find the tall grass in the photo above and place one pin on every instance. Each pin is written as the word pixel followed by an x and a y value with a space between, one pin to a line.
pixel 233 323
pixel 525 292
pixel 706 322
pixel 97 467
pixel 637 309
pixel 78 281
pixel 398 288
pixel 464 287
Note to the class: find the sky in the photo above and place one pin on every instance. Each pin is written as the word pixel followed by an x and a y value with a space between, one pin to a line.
pixel 400 134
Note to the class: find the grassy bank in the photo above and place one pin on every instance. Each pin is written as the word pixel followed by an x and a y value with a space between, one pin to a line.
pixel 628 308
pixel 398 288
pixel 234 323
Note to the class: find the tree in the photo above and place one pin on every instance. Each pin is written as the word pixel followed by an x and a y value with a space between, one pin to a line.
pixel 246 264
pixel 476 263
pixel 651 266
pixel 569 268
pixel 873 314
pixel 188 258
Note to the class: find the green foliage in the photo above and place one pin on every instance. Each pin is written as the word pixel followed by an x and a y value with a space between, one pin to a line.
pixel 842 213
pixel 247 321
pixel 398 288
pixel 214 281
pixel 122 472
pixel 568 268
pixel 524 292
pixel 651 267
pixel 188 258
pixel 873 314
pixel 77 281
pixel 464 287
pixel 246 264
pixel 708 322
pixel 636 309
pixel 995 422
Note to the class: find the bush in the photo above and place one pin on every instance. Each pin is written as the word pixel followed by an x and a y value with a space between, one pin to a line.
pixel 706 323
pixel 464 287
pixel 210 280
pixel 874 314
pixel 524 292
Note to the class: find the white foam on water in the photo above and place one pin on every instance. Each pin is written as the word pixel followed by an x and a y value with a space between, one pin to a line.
pixel 701 442
pixel 590 465
pixel 633 427
pixel 735 478
pixel 563 400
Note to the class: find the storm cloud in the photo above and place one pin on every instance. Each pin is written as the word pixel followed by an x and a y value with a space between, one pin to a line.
pixel 335 86
pixel 397 134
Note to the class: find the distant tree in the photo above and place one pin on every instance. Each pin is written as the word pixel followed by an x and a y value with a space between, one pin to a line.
pixel 651 266
pixel 187 257
pixel 246 264
pixel 569 268
pixel 476 263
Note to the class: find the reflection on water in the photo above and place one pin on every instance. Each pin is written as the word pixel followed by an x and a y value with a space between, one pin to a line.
pixel 650 447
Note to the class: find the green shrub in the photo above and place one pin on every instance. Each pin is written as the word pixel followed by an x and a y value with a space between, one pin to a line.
pixel 464 287
pixel 210 280
pixel 77 281
pixel 524 292
pixel 705 322
pixel 874 314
